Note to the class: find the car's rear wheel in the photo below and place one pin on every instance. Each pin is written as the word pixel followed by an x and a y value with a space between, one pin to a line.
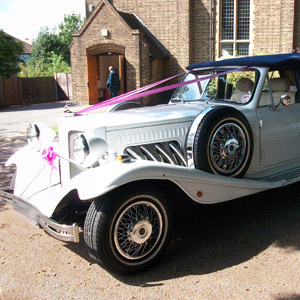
pixel 223 143
pixel 128 231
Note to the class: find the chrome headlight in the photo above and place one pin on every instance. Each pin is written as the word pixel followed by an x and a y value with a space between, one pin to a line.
pixel 86 150
pixel 33 134
pixel 39 135
pixel 80 148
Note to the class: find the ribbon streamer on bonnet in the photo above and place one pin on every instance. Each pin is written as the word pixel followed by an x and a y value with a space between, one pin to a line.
pixel 124 96
pixel 143 92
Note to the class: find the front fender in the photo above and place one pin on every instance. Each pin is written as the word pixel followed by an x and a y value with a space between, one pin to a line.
pixel 200 186
pixel 33 173
pixel 36 182
pixel 213 188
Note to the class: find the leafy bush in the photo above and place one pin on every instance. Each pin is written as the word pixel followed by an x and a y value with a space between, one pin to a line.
pixel 55 64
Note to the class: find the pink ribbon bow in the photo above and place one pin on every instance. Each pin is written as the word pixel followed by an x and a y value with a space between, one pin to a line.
pixel 49 155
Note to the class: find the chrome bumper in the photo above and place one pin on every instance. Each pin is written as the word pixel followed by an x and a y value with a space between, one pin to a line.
pixel 67 233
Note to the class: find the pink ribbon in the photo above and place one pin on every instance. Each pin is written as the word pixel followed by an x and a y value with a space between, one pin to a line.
pixel 143 92
pixel 124 96
pixel 49 155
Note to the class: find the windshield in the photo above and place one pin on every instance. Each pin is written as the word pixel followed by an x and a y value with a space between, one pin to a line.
pixel 237 86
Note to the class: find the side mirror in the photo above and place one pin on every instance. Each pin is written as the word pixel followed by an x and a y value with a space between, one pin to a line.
pixel 285 100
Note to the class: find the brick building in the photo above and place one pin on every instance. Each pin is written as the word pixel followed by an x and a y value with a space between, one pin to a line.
pixel 150 40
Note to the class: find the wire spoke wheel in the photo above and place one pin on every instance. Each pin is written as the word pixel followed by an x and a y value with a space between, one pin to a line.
pixel 127 230
pixel 227 148
pixel 138 230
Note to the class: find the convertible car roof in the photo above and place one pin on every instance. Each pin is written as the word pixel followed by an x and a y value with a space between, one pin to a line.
pixel 274 62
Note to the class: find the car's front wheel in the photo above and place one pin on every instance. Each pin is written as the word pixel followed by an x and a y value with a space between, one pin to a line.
pixel 126 231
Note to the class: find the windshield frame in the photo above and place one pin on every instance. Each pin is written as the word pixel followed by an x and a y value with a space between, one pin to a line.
pixel 204 72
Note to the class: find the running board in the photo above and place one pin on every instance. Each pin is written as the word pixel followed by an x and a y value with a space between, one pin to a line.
pixel 289 176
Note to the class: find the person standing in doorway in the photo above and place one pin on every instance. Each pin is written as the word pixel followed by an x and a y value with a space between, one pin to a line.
pixel 113 82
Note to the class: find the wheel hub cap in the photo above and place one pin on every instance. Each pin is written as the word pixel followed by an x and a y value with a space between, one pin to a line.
pixel 140 232
pixel 230 148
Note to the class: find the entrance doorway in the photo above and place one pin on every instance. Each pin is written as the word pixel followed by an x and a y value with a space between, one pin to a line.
pixel 98 73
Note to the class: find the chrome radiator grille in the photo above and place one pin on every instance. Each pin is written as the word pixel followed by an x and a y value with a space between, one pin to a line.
pixel 167 152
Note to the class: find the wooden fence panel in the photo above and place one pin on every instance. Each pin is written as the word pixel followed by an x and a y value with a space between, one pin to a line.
pixel 64 86
pixel 15 90
pixel 38 90
pixel 11 91
pixel 2 104
pixel 70 86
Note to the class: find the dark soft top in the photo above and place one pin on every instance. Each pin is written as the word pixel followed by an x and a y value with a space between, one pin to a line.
pixel 274 62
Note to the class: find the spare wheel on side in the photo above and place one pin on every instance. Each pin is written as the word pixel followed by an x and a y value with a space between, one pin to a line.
pixel 223 143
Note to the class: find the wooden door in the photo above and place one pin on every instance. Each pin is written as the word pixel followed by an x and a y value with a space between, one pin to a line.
pixel 122 74
pixel 92 79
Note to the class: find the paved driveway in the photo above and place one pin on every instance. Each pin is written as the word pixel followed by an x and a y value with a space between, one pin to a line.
pixel 243 249
pixel 14 120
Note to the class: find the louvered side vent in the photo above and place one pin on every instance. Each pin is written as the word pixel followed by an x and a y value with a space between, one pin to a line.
pixel 168 152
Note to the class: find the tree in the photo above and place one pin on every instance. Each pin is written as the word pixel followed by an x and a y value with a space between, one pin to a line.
pixel 10 51
pixel 51 52
pixel 72 23
pixel 46 43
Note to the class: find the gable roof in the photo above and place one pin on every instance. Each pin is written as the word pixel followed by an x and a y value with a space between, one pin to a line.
pixel 27 48
pixel 94 14
pixel 274 62
pixel 130 22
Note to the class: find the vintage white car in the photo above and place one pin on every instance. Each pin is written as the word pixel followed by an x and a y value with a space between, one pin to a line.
pixel 233 131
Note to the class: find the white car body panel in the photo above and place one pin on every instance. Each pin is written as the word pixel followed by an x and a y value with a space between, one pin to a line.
pixel 276 152
pixel 95 182
pixel 91 184
pixel 173 126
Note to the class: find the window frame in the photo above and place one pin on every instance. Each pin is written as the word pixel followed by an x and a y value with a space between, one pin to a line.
pixel 235 41
pixel 279 73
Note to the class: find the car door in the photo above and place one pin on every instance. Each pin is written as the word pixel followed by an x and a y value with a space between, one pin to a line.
pixel 280 134
pixel 279 128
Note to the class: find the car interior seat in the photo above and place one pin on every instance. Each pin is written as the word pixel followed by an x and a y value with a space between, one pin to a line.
pixel 279 87
pixel 244 88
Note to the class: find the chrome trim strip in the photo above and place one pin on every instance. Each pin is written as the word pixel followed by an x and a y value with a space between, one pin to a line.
pixel 163 152
pixel 166 152
pixel 191 136
pixel 67 233
pixel 150 154
pixel 135 154
pixel 178 153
